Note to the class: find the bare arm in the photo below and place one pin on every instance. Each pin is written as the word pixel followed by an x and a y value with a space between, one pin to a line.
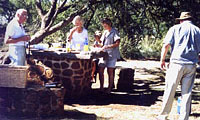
pixel 164 51
pixel 71 33
pixel 116 44
pixel 15 40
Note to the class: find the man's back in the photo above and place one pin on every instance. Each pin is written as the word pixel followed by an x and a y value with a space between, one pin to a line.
pixel 185 43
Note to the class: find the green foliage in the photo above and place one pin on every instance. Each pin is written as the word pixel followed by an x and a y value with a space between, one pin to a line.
pixel 128 49
pixel 150 47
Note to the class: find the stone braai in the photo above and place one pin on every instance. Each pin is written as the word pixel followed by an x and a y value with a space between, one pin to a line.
pixel 72 70
pixel 71 73
pixel 32 99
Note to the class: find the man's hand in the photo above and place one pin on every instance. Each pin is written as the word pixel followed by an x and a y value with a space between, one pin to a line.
pixel 23 38
pixel 26 38
pixel 163 54
pixel 162 65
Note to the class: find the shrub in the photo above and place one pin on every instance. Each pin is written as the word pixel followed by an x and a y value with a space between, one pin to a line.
pixel 148 48
pixel 128 49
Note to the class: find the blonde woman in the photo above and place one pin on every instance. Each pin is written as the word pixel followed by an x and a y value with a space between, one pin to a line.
pixel 78 35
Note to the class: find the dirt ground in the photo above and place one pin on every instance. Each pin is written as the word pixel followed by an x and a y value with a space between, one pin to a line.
pixel 143 102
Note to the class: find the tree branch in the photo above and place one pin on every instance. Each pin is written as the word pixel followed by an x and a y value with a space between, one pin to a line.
pixel 64 8
pixel 67 21
pixel 62 5
pixel 56 13
pixel 93 12
pixel 39 9
pixel 47 21
pixel 52 20
pixel 52 9
pixel 50 14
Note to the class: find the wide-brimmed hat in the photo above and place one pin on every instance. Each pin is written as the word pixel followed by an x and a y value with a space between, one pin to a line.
pixel 184 15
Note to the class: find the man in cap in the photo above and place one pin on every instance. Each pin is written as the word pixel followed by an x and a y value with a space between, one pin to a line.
pixel 184 40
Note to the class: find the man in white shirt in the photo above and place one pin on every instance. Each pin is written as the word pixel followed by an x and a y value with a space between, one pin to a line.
pixel 17 38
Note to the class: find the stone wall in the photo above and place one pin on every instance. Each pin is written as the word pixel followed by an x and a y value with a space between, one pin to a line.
pixel 23 92
pixel 31 102
pixel 73 73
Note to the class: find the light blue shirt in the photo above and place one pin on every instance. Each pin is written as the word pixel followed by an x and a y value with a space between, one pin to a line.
pixel 109 38
pixel 184 39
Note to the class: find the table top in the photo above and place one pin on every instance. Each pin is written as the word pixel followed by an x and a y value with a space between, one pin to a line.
pixel 73 54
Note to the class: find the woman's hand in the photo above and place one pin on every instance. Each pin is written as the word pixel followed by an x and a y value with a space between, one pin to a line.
pixel 105 47
pixel 74 29
pixel 71 33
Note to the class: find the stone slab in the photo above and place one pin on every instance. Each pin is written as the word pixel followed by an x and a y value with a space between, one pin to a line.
pixel 69 55
pixel 13 76
pixel 60 54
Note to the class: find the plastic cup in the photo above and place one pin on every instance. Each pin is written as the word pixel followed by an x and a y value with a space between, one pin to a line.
pixel 78 47
pixel 85 47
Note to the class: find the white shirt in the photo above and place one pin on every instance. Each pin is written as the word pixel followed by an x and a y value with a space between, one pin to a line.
pixel 79 38
pixel 14 30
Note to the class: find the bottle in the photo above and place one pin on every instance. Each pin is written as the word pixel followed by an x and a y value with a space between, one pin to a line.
pixel 59 44
pixel 68 47
pixel 179 105
pixel 86 45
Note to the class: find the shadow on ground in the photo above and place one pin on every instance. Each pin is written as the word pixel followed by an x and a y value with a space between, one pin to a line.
pixel 141 93
pixel 68 115
pixel 142 98
pixel 144 93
